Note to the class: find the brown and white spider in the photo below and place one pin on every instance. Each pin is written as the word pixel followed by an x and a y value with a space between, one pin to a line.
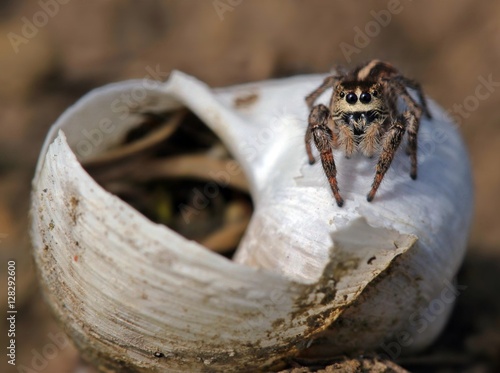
pixel 364 116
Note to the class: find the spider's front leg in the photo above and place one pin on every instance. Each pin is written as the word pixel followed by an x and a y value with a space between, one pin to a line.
pixel 391 143
pixel 319 131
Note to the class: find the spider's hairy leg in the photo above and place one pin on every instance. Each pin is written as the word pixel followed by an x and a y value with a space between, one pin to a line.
pixel 323 138
pixel 416 86
pixel 412 125
pixel 412 120
pixel 391 143
pixel 329 82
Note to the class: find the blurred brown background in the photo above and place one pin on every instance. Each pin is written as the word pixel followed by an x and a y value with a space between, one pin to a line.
pixel 54 51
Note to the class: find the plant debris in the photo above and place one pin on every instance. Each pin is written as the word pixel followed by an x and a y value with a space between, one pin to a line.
pixel 169 168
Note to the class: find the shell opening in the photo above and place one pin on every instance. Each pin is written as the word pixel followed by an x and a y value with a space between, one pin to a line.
pixel 173 169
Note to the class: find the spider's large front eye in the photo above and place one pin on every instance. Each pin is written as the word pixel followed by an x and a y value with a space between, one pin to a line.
pixel 351 98
pixel 365 97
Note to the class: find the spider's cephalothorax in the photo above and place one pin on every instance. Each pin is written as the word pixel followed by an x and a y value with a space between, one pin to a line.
pixel 364 116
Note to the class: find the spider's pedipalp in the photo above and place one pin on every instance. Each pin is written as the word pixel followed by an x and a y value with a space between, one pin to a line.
pixel 345 137
pixel 370 141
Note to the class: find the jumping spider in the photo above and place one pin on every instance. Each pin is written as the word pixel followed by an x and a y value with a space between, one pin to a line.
pixel 364 116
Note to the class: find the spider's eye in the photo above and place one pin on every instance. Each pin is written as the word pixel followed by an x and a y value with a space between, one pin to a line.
pixel 375 93
pixel 342 94
pixel 351 98
pixel 365 97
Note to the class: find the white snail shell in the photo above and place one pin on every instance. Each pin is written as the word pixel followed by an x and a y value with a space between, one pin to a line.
pixel 308 277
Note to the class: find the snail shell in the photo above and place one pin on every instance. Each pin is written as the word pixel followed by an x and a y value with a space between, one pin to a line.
pixel 308 278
